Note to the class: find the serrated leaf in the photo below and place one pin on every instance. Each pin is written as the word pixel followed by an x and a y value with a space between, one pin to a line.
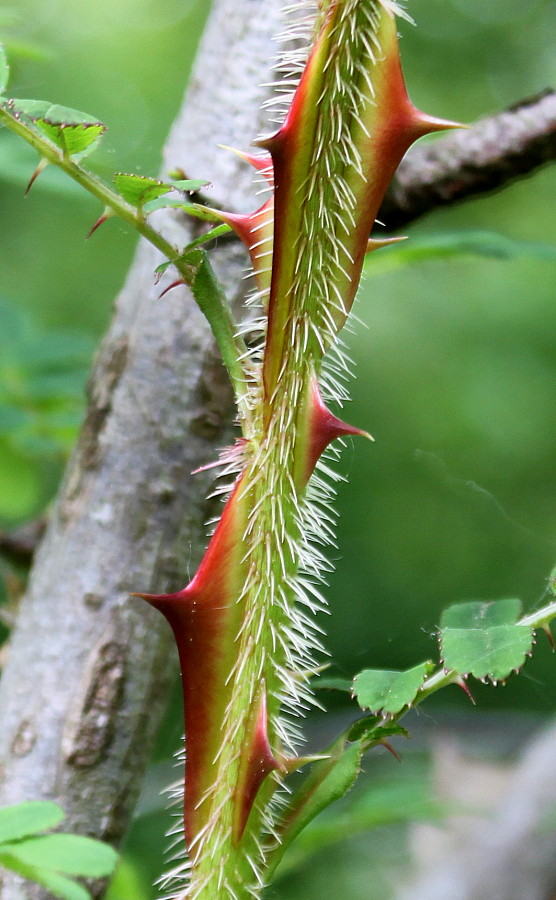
pixel 189 184
pixel 328 780
pixel 24 819
pixel 71 854
pixel 139 189
pixel 58 885
pixel 75 133
pixel 483 639
pixel 382 690
pixel 450 245
pixel 4 70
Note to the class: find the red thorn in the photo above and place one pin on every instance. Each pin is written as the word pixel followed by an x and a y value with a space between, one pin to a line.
pixel 259 762
pixel 461 682
pixel 241 225
pixel 162 601
pixel 324 427
pixel 289 764
pixel 107 214
pixel 424 124
pixel 170 287
pixel 391 750
pixel 271 142
pixel 262 164
pixel 40 168
pixel 377 243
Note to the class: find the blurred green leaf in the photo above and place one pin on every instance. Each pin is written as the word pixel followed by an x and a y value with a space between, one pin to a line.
pixel 19 483
pixel 17 161
pixel 385 803
pixel 71 854
pixel 483 639
pixel 74 133
pixel 380 690
pixel 449 245
pixel 127 883
pixel 42 377
pixel 4 70
pixel 24 819
pixel 58 885
pixel 189 184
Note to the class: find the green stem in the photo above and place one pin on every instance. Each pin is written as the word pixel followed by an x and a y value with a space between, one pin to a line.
pixel 215 308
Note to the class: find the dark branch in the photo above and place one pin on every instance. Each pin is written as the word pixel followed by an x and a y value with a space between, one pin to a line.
pixel 491 154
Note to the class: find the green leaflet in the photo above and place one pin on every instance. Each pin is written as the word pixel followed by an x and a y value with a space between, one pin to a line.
pixel 192 209
pixel 139 190
pixel 48 858
pixel 71 854
pixel 388 692
pixel 23 819
pixel 75 133
pixel 4 70
pixel 484 639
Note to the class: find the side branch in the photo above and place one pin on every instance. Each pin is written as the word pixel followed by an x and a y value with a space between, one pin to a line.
pixel 492 153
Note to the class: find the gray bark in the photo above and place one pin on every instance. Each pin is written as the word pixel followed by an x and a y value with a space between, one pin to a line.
pixel 88 669
pixel 508 855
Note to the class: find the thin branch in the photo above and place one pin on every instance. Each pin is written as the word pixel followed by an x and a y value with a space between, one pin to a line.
pixel 491 154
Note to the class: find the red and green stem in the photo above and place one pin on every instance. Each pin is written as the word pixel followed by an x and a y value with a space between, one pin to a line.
pixel 245 642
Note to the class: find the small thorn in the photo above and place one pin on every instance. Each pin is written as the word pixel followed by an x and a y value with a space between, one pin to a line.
pixel 107 214
pixel 40 168
pixel 170 287
pixel 461 682
pixel 377 243
pixel 291 764
pixel 391 750
pixel 159 601
pixel 260 163
pixel 270 142
pixel 259 761
pixel 425 124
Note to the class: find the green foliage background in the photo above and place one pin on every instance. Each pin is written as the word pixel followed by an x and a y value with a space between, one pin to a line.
pixel 455 371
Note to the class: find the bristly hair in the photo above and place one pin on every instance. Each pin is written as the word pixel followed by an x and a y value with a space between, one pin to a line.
pixel 284 485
